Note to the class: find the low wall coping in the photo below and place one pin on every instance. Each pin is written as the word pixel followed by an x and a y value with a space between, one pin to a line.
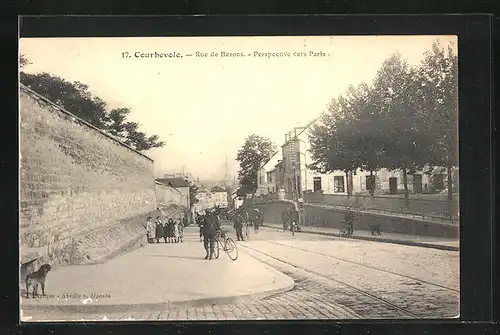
pixel 380 196
pixel 423 219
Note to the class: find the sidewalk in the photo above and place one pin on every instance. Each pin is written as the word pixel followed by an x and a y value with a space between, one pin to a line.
pixel 405 239
pixel 156 276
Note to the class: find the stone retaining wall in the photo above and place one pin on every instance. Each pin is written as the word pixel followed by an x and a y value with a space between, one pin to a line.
pixel 74 179
pixel 332 218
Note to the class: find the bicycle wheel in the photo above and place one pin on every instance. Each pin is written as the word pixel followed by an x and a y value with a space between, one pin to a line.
pixel 349 232
pixel 217 248
pixel 231 248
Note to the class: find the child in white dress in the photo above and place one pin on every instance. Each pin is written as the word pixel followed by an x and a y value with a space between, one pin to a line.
pixel 176 231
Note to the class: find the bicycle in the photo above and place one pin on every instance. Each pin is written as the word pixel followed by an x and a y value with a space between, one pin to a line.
pixel 227 244
pixel 293 228
pixel 285 227
pixel 346 229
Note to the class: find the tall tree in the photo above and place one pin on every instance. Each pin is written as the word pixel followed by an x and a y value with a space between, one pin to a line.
pixel 329 150
pixel 406 121
pixel 254 152
pixel 193 194
pixel 363 132
pixel 23 61
pixel 74 97
pixel 404 134
pixel 439 78
pixel 77 98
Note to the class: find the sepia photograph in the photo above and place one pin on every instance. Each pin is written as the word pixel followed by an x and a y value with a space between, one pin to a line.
pixel 239 178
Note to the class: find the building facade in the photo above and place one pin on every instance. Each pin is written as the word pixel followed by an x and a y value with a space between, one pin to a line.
pixel 289 171
pixel 267 176
pixel 179 184
pixel 237 201
pixel 166 195
pixel 297 176
pixel 219 197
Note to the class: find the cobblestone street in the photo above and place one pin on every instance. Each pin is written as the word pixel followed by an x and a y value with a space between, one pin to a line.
pixel 205 179
pixel 334 279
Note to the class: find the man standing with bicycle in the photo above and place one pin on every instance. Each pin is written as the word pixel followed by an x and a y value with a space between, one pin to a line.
pixel 210 226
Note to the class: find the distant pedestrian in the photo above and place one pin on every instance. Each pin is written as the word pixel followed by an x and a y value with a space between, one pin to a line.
pixel 181 231
pixel 285 218
pixel 255 218
pixel 165 232
pixel 200 219
pixel 238 226
pixel 159 233
pixel 294 220
pixel 150 229
pixel 176 231
pixel 170 231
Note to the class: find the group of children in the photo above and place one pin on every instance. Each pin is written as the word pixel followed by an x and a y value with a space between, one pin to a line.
pixel 171 231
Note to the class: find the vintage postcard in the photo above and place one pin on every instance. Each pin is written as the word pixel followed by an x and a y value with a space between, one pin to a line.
pixel 231 178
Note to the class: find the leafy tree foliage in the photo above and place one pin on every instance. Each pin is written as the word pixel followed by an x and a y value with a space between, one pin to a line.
pixel 76 97
pixel 404 127
pixel 23 61
pixel 254 152
pixel 193 194
pixel 439 78
pixel 406 120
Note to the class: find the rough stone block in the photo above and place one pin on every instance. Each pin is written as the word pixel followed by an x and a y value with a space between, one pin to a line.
pixel 70 174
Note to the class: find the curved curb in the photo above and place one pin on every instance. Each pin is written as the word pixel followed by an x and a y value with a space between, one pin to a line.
pixel 408 243
pixel 122 308
pixel 384 240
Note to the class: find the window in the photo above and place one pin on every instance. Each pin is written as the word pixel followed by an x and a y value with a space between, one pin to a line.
pixel 338 184
pixel 316 184
pixel 438 180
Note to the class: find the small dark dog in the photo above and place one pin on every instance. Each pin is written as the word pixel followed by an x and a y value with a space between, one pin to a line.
pixel 37 277
pixel 375 229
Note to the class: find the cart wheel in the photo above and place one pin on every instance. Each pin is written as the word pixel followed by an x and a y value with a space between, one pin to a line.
pixel 231 248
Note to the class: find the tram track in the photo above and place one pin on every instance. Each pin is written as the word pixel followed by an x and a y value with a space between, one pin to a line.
pixel 401 312
pixel 365 265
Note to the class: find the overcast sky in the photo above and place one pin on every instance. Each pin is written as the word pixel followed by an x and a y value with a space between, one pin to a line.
pixel 203 108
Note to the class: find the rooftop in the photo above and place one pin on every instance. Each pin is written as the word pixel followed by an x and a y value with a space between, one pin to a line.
pixel 217 189
pixel 173 182
pixel 272 162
